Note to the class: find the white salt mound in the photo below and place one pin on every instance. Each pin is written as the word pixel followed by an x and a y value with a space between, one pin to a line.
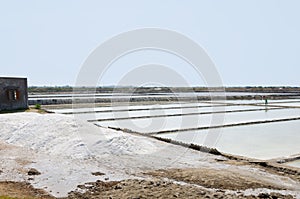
pixel 62 135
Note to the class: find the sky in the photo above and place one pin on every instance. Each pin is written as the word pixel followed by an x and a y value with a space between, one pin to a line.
pixel 251 42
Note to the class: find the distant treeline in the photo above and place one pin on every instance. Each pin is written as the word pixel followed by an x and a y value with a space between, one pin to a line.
pixel 68 89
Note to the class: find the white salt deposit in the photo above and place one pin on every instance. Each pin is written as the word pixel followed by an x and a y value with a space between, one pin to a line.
pixel 61 135
pixel 66 151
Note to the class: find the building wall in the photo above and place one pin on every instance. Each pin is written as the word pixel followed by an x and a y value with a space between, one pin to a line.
pixel 13 93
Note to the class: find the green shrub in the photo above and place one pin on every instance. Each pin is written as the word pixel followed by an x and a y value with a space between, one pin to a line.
pixel 37 106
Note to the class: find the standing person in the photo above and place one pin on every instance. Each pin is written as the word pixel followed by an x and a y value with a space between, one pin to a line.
pixel 266 99
pixel 266 102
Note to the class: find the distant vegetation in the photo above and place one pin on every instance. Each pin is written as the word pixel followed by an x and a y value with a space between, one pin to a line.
pixel 68 89
pixel 49 89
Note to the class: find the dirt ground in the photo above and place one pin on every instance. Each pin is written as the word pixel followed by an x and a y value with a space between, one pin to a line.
pixel 146 189
pixel 21 190
pixel 172 183
pixel 216 179
pixel 156 189
pixel 181 183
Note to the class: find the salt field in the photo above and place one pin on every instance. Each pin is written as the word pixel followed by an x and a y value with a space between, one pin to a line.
pixel 116 107
pixel 247 128
pixel 295 163
pixel 68 153
pixel 154 112
pixel 157 124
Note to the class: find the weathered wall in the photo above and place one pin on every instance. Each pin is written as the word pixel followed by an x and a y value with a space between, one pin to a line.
pixel 13 93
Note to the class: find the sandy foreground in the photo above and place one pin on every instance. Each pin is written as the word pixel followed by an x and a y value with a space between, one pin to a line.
pixel 53 155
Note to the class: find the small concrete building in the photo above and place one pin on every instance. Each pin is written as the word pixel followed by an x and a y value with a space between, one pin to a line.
pixel 13 93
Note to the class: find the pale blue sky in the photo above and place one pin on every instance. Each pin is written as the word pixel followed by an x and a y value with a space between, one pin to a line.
pixel 252 42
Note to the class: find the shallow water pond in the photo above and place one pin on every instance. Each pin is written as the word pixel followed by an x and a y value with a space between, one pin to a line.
pixel 262 141
pixel 151 125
